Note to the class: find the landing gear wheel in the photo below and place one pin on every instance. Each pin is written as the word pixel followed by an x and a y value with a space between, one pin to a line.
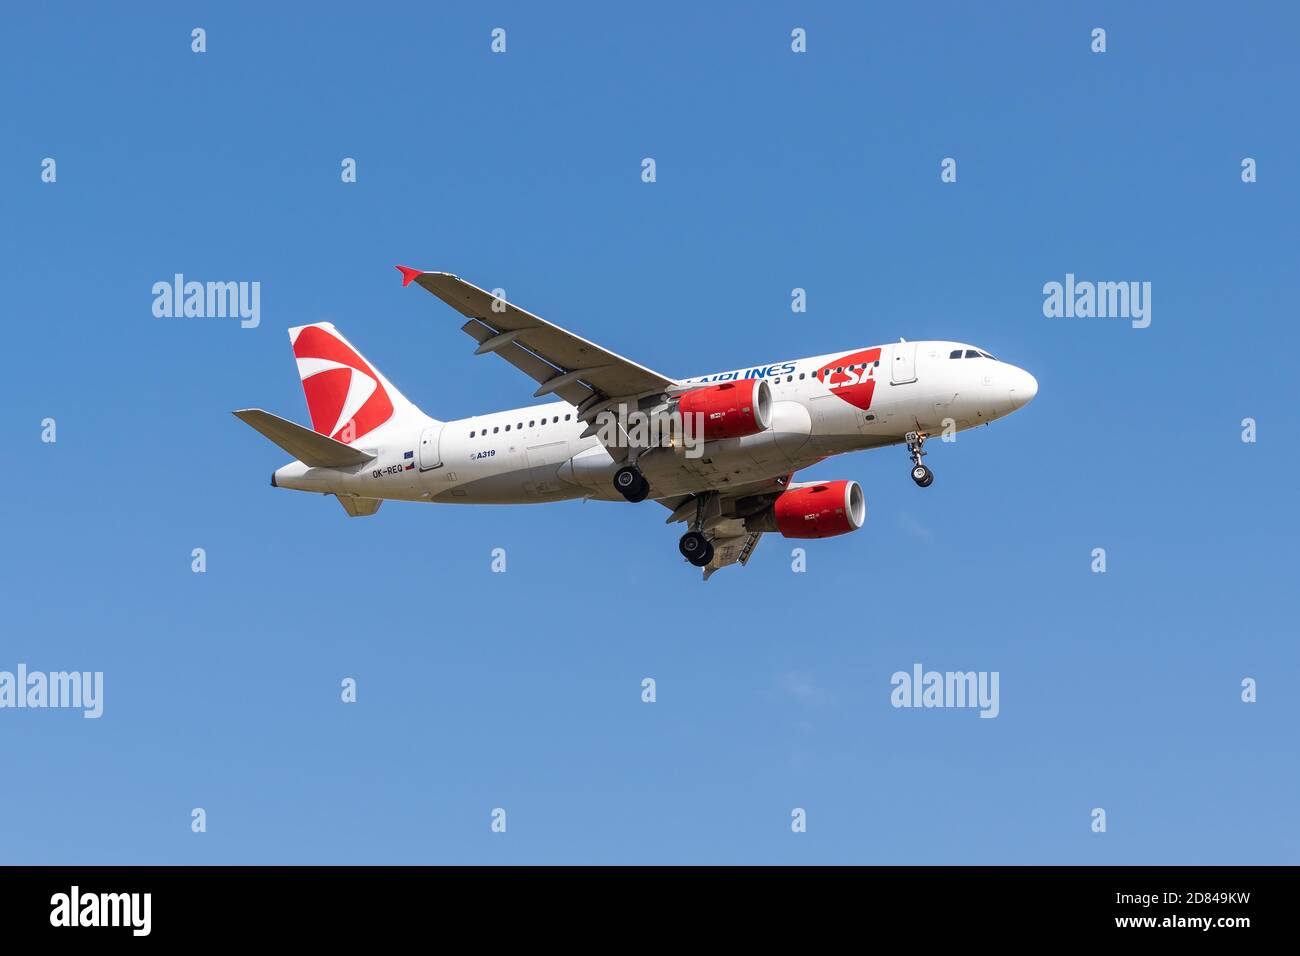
pixel 631 484
pixel 696 548
pixel 922 475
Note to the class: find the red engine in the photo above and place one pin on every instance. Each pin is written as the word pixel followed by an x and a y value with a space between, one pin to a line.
pixel 820 510
pixel 730 410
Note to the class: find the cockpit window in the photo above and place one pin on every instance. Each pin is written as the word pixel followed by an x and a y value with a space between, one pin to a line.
pixel 971 353
pixel 989 357
pixel 955 353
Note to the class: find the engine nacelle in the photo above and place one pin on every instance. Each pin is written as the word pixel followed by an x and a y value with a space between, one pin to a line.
pixel 820 509
pixel 730 410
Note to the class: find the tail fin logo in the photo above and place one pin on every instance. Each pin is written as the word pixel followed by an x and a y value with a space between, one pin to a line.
pixel 345 396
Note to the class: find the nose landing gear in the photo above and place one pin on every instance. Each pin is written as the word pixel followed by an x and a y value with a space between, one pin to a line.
pixel 696 548
pixel 922 475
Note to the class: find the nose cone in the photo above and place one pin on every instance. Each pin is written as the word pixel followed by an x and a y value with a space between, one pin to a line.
pixel 1023 387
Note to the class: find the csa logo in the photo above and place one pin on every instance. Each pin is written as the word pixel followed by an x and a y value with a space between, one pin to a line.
pixel 852 377
pixel 344 395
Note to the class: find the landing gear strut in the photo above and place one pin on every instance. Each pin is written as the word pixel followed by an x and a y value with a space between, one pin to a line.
pixel 631 484
pixel 922 475
pixel 696 548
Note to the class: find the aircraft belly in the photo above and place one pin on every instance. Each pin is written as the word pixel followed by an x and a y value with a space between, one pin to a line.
pixel 506 488
pixel 670 474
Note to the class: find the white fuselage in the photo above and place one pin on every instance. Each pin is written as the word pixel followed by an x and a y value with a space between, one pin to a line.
pixel 822 406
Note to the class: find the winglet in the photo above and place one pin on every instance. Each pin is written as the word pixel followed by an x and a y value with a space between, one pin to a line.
pixel 409 275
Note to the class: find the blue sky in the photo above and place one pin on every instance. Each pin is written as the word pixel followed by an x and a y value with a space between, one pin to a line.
pixel 522 690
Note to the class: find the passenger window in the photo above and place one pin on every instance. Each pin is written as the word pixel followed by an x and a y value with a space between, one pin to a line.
pixel 566 418
pixel 496 429
pixel 801 376
pixel 507 428
pixel 471 434
pixel 531 424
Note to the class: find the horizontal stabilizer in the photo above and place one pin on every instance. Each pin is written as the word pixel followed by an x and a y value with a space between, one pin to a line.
pixel 309 447
pixel 359 507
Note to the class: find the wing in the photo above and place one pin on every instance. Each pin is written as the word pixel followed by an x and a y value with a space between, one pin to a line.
pixel 580 372
pixel 735 550
pixel 722 506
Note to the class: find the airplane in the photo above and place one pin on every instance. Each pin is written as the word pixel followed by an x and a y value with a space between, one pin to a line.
pixel 724 465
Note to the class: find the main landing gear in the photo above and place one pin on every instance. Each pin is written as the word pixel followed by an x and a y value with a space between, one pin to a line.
pixel 694 545
pixel 696 548
pixel 631 484
pixel 922 475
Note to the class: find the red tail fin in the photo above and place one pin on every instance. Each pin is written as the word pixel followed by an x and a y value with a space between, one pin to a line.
pixel 346 396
